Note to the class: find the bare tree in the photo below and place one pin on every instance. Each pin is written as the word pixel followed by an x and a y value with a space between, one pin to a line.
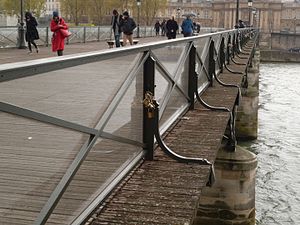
pixel 13 7
pixel 150 8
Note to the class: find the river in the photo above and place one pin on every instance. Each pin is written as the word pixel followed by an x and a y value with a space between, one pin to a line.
pixel 278 145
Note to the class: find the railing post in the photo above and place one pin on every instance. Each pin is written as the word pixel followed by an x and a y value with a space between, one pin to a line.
pixel 84 34
pixel 47 37
pixel 192 83
pixel 222 55
pixel 98 35
pixel 211 69
pixel 148 123
pixel 228 50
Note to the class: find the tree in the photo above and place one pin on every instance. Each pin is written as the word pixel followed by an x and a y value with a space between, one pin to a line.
pixel 73 9
pixel 97 10
pixel 13 7
pixel 150 8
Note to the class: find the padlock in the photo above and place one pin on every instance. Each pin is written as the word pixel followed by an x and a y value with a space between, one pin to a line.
pixel 150 113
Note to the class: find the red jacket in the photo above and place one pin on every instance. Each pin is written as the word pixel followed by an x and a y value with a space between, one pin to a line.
pixel 58 41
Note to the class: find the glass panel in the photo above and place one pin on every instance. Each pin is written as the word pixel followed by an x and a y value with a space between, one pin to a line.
pixel 202 75
pixel 101 163
pixel 176 103
pixel 161 86
pixel 169 56
pixel 127 120
pixel 202 46
pixel 78 94
pixel 33 158
pixel 217 39
pixel 183 78
pixel 203 62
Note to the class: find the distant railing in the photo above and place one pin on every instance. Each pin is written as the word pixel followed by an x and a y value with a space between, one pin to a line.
pixel 100 95
pixel 9 35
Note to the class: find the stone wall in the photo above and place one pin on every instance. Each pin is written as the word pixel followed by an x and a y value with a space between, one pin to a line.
pixel 279 56
pixel 247 113
pixel 284 41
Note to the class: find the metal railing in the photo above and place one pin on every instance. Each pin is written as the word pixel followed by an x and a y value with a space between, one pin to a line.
pixel 174 72
pixel 9 35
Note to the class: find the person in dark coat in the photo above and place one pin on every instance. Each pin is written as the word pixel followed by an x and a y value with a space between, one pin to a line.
pixel 172 28
pixel 163 28
pixel 115 23
pixel 58 40
pixel 127 27
pixel 157 27
pixel 31 31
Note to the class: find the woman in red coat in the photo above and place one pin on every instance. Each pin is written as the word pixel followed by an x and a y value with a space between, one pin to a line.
pixel 58 40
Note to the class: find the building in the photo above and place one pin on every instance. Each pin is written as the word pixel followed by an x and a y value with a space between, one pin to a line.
pixel 6 20
pixel 52 5
pixel 270 16
pixel 200 8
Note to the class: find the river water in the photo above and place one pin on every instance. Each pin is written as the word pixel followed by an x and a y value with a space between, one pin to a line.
pixel 278 145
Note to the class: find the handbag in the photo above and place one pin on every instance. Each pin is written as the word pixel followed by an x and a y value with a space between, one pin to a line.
pixel 65 33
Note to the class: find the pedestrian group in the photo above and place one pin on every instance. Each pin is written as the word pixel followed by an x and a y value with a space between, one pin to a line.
pixel 119 24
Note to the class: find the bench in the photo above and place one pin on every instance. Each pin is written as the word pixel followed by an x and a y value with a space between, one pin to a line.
pixel 111 43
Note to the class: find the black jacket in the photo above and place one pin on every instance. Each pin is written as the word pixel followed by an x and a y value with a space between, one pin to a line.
pixel 172 28
pixel 116 24
pixel 31 31
pixel 127 25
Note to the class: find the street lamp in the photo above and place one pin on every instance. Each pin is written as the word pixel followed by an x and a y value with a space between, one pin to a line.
pixel 21 31
pixel 237 12
pixel 254 15
pixel 250 9
pixel 178 15
pixel 138 3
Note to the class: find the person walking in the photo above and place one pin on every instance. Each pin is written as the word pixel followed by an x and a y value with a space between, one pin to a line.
pixel 115 22
pixel 157 27
pixel 58 39
pixel 187 27
pixel 163 28
pixel 127 27
pixel 172 28
pixel 31 32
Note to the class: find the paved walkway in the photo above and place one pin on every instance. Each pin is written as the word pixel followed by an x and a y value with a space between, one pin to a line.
pixel 17 55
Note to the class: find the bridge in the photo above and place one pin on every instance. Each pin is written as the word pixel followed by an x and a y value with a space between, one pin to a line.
pixel 124 136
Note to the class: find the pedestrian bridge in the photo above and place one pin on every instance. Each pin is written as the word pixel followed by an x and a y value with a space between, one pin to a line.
pixel 122 136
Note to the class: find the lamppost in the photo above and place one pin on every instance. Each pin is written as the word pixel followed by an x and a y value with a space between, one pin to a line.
pixel 237 12
pixel 21 31
pixel 250 9
pixel 254 14
pixel 178 17
pixel 138 3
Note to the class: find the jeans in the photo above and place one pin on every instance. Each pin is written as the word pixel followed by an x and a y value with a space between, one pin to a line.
pixel 117 40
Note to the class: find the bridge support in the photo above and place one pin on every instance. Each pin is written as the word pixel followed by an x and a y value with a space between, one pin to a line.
pixel 231 200
pixel 247 113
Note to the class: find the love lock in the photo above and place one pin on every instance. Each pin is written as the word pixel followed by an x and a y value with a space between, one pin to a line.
pixel 149 104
